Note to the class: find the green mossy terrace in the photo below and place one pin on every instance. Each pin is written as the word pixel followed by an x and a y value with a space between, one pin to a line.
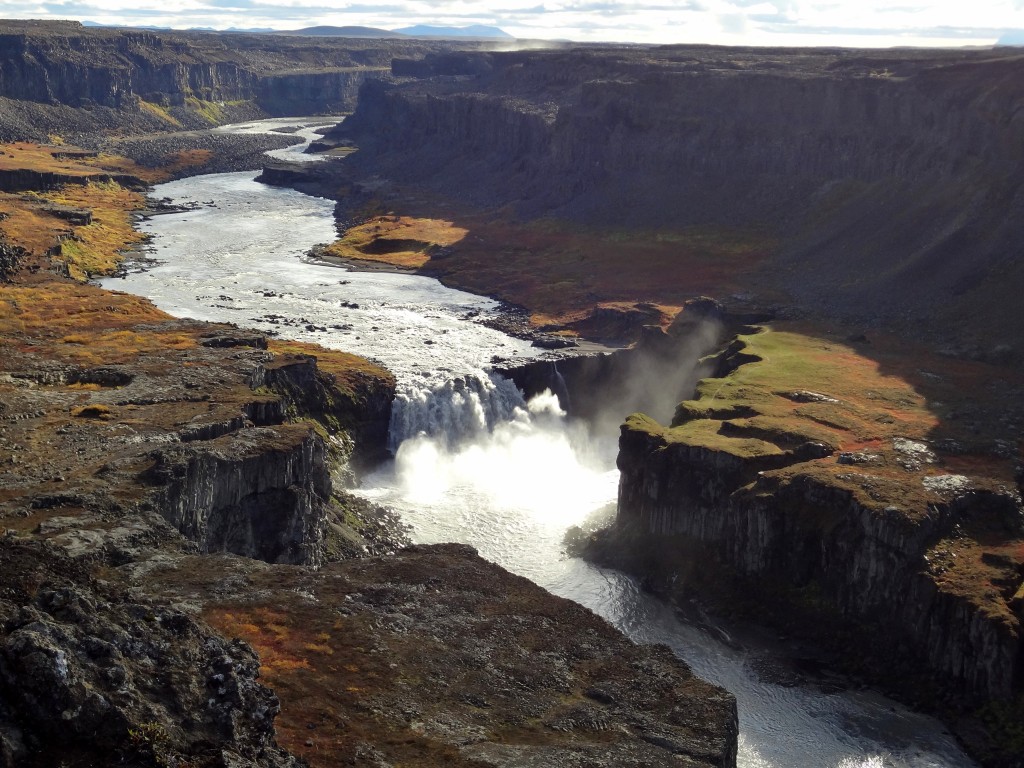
pixel 790 385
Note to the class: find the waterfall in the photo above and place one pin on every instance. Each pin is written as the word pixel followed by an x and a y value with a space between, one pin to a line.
pixel 459 409
pixel 561 388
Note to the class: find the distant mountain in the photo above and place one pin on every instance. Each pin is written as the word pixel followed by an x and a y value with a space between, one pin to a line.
pixel 1011 37
pixel 343 32
pixel 420 30
pixel 246 30
pixel 253 30
pixel 476 30
pixel 124 26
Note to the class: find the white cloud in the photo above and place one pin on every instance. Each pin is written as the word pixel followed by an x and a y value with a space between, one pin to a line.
pixel 753 22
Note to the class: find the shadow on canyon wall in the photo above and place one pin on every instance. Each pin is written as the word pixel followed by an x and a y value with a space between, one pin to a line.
pixel 883 181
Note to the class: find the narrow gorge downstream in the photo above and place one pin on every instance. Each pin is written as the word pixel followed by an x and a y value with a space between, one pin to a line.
pixel 474 463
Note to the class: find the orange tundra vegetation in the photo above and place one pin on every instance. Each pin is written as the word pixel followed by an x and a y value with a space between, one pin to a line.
pixel 350 371
pixel 317 663
pixel 559 271
pixel 34 219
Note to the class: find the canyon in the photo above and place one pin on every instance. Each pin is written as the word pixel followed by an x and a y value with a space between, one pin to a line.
pixel 169 487
pixel 852 456
pixel 841 464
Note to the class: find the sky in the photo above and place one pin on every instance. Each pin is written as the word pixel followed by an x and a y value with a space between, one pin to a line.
pixel 855 23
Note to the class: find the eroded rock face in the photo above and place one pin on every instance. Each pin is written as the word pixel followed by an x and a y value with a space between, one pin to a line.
pixel 64 63
pixel 868 560
pixel 258 492
pixel 364 413
pixel 10 256
pixel 85 671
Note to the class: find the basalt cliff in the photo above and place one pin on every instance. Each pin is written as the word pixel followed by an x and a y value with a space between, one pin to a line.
pixel 72 80
pixel 859 172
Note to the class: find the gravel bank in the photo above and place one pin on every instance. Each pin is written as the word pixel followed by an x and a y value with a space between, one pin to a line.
pixel 228 152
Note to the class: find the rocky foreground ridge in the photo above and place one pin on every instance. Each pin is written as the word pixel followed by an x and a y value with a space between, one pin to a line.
pixel 177 538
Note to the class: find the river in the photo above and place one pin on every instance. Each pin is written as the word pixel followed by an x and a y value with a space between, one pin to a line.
pixel 476 464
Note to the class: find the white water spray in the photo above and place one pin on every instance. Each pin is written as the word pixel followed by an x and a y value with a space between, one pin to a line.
pixel 477 438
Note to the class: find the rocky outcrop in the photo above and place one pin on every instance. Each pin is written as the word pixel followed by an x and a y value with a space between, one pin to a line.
pixel 867 560
pixel 256 493
pixel 10 257
pixel 87 671
pixel 256 486
pixel 311 178
pixel 23 180
pixel 363 412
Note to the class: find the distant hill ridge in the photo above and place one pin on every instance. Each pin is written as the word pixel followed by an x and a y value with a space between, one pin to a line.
pixel 348 31
pixel 323 30
pixel 475 30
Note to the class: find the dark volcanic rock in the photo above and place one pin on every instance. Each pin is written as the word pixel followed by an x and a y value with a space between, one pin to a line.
pixel 66 79
pixel 10 257
pixel 261 494
pixel 87 672
pixel 311 178
pixel 436 653
pixel 23 180
pixel 863 556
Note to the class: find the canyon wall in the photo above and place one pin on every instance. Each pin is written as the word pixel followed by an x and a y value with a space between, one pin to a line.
pixel 867 560
pixel 873 170
pixel 257 494
pixel 258 486
pixel 64 63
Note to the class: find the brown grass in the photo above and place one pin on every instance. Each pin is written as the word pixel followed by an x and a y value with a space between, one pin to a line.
pixel 319 666
pixel 28 226
pixel 350 371
pixel 882 392
pixel 81 324
pixel 558 270
pixel 400 241
pixel 95 248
